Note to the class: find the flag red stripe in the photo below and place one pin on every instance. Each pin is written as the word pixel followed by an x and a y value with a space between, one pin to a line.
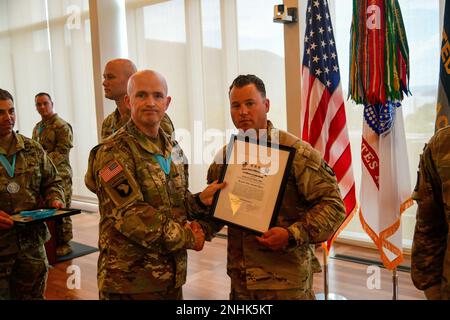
pixel 336 126
pixel 305 133
pixel 350 200
pixel 343 164
pixel 319 118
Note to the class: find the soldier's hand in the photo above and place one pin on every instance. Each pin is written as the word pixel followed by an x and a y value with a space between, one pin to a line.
pixel 195 226
pixel 199 235
pixel 6 222
pixel 207 195
pixel 275 238
pixel 56 204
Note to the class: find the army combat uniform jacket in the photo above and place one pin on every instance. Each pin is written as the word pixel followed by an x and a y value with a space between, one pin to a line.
pixel 142 238
pixel 430 259
pixel 311 210
pixel 56 137
pixel 38 182
pixel 114 122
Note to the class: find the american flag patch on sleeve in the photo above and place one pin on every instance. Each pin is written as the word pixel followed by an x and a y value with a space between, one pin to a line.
pixel 111 170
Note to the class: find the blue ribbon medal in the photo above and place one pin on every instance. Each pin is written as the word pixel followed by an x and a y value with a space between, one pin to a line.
pixel 12 187
pixel 164 163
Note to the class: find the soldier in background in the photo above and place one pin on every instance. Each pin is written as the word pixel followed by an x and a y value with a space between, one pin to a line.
pixel 280 263
pixel 139 177
pixel 430 258
pixel 116 75
pixel 55 136
pixel 27 178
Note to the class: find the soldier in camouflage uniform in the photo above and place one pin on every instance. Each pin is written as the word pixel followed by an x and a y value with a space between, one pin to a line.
pixel 139 177
pixel 27 179
pixel 116 75
pixel 430 259
pixel 280 263
pixel 56 136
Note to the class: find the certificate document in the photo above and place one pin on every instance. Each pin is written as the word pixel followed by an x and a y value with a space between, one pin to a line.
pixel 256 175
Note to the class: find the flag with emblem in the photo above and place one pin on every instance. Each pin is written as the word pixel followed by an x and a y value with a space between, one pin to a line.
pixel 443 105
pixel 324 121
pixel 379 76
pixel 110 171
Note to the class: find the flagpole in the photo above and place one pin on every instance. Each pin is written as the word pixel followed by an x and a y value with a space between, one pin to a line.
pixel 394 284
pixel 326 295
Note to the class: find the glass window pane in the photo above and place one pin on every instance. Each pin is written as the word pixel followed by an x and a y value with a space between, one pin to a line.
pixel 212 36
pixel 165 21
pixel 60 62
pixel 261 52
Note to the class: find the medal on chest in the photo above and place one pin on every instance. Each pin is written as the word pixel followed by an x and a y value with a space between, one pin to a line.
pixel 13 187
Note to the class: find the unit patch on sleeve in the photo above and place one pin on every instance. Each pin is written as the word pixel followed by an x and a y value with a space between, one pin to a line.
pixel 119 184
pixel 111 170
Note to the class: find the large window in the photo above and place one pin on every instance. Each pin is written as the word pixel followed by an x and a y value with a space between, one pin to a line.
pixel 45 46
pixel 261 52
pixel 200 47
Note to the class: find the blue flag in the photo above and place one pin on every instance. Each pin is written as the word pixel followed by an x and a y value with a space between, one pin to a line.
pixel 443 106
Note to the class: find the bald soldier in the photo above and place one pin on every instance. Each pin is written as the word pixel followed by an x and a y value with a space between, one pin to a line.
pixel 116 75
pixel 280 263
pixel 28 181
pixel 139 177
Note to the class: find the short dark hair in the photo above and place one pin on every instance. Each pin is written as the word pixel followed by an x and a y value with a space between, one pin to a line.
pixel 5 95
pixel 244 80
pixel 43 94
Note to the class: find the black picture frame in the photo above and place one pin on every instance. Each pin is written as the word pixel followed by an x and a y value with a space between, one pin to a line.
pixel 270 214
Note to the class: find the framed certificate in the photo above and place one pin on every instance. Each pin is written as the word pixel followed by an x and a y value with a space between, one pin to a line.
pixel 256 175
pixel 41 215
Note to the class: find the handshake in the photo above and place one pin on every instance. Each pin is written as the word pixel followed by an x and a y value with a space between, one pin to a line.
pixel 198 233
pixel 6 222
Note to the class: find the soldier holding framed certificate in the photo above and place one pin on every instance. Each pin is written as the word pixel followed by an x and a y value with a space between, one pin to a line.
pixel 280 263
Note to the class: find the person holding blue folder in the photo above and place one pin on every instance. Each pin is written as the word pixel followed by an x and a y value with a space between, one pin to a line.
pixel 28 181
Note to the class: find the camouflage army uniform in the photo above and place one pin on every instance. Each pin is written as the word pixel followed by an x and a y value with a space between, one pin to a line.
pixel 23 262
pixel 56 136
pixel 311 210
pixel 430 259
pixel 114 122
pixel 142 240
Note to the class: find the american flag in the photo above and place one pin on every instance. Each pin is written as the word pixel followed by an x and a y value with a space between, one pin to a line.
pixel 110 171
pixel 323 112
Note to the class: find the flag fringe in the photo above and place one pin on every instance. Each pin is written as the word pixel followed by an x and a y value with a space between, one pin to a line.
pixel 327 244
pixel 382 242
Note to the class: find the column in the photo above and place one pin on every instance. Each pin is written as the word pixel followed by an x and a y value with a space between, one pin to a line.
pixel 109 41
